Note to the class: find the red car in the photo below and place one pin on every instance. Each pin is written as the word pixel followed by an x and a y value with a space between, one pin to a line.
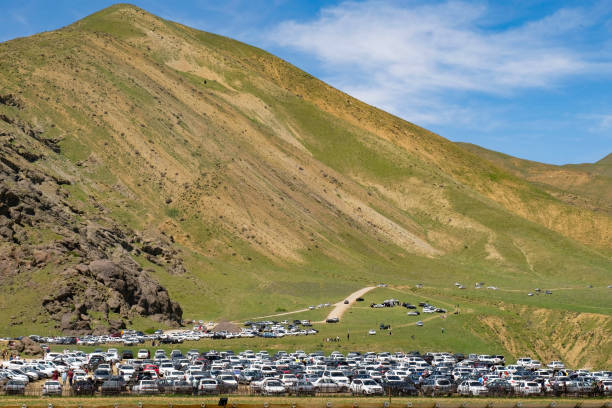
pixel 151 367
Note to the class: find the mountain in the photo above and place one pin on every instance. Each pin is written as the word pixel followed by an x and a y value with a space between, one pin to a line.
pixel 587 186
pixel 153 173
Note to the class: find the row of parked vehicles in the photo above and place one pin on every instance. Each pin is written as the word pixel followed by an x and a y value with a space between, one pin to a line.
pixel 298 373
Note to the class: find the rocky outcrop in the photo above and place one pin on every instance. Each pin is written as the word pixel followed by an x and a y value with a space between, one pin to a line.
pixel 26 346
pixel 99 286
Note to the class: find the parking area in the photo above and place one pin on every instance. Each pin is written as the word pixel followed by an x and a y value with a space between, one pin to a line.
pixel 249 373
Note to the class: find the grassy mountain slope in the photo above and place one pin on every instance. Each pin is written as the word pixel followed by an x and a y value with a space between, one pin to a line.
pixel 586 186
pixel 275 190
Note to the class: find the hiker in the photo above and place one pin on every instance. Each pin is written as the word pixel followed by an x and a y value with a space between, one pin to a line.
pixel 55 375
pixel 443 330
pixel 64 377
pixel 70 376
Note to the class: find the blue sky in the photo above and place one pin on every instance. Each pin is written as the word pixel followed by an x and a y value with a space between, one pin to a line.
pixel 528 78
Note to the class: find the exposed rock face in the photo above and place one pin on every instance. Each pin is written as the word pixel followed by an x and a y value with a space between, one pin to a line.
pixel 27 346
pixel 96 273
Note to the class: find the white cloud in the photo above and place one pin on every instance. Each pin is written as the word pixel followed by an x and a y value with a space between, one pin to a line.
pixel 407 58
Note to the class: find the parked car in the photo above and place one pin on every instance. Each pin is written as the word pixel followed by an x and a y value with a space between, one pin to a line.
pixel 327 385
pixel 472 388
pixel 227 383
pixel 145 387
pixel 528 388
pixel 113 386
pixel 436 386
pixel 83 387
pixel 400 388
pixel 302 387
pixel 273 387
pixel 101 375
pixel 365 386
pixel 499 388
pixel 15 387
pixel 52 388
pixel 208 386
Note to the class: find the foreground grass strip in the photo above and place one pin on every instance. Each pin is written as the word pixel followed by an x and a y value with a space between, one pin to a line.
pixel 301 402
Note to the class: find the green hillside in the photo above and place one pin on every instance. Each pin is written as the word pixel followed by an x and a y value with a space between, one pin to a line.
pixel 152 152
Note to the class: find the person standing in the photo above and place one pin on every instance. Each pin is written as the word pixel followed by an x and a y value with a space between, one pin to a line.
pixel 70 376
pixel 64 377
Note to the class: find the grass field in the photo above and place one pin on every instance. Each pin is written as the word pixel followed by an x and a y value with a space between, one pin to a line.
pixel 469 331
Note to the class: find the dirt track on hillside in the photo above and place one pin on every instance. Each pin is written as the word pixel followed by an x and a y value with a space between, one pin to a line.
pixel 341 307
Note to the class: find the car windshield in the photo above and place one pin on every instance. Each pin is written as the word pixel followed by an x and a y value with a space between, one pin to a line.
pixel 369 382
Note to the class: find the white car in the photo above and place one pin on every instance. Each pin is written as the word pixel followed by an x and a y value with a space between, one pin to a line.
pixel 365 386
pixel 79 375
pixel 175 375
pixel 146 387
pixel 289 380
pixel 142 354
pixel 372 332
pixel 273 387
pixel 52 388
pixel 338 377
pixel 326 384
pixel 419 323
pixel 473 388
pixel 556 365
pixel 528 388
pixel 523 362
pixel 606 387
pixel 166 368
pixel 534 365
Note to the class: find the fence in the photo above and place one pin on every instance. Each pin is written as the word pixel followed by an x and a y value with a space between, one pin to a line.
pixel 35 389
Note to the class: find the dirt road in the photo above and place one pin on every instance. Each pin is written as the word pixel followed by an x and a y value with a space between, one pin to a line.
pixel 341 307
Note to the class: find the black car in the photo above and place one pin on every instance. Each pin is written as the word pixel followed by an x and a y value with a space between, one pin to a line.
pixel 14 387
pixel 182 387
pixel 127 355
pixel 499 388
pixel 112 386
pixel 101 375
pixel 400 388
pixel 360 299
pixel 83 387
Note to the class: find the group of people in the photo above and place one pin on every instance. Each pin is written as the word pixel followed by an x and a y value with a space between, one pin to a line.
pixel 65 376
pixel 8 355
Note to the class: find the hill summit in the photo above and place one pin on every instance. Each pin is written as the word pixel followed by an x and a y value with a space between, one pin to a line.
pixel 152 172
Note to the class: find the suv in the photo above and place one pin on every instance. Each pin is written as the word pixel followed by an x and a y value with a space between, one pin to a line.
pixel 528 388
pixel 471 387
pixel 52 388
pixel 365 386
pixel 436 386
